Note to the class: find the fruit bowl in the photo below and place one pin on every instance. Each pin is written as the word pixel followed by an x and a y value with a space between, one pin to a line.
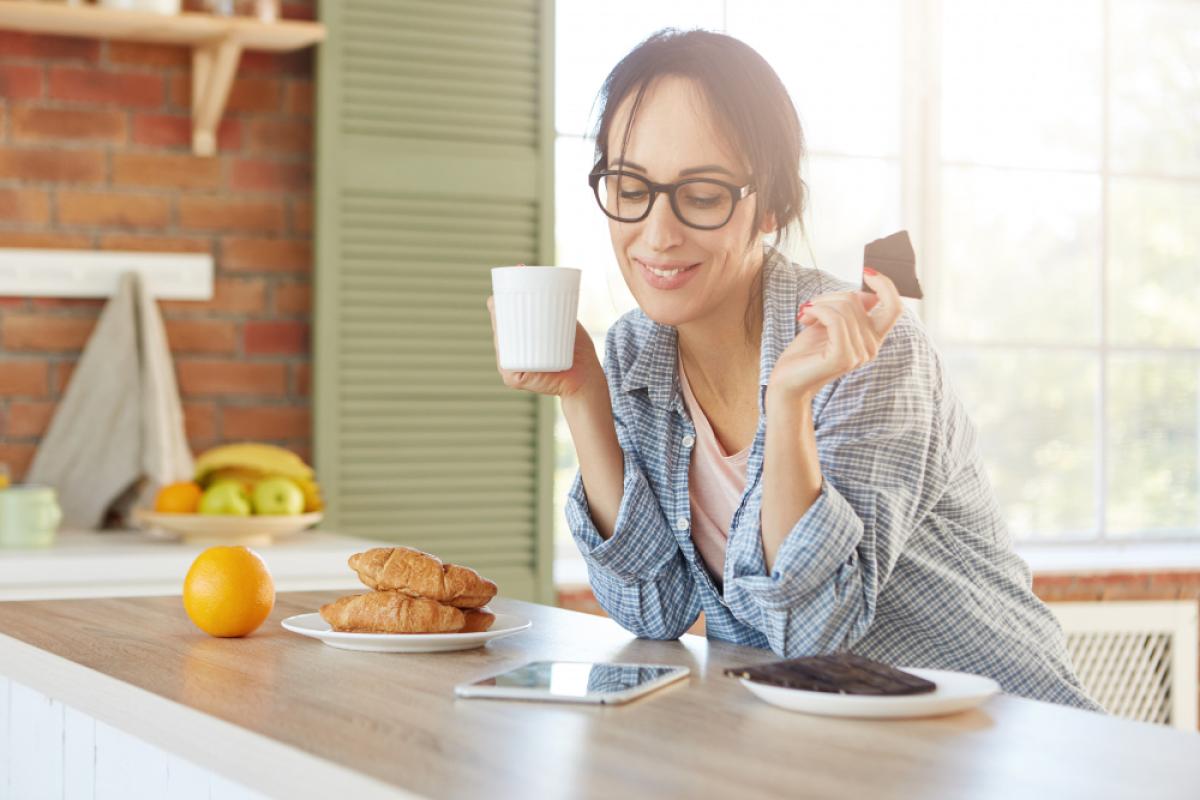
pixel 257 529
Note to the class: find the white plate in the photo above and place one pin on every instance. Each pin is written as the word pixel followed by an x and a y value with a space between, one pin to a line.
pixel 312 625
pixel 223 529
pixel 956 691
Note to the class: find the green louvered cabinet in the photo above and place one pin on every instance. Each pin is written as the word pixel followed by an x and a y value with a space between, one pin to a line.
pixel 434 163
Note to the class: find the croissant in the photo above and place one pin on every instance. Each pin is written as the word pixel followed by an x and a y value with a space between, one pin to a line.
pixel 392 612
pixel 404 569
pixel 478 620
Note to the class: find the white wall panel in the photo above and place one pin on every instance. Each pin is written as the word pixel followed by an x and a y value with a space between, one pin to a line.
pixel 5 688
pixel 35 738
pixel 79 755
pixel 49 750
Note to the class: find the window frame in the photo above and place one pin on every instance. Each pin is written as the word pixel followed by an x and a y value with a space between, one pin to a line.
pixel 921 164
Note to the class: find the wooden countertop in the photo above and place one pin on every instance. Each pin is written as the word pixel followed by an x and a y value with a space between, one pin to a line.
pixel 291 717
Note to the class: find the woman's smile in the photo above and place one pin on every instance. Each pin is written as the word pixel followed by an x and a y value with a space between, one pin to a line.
pixel 666 274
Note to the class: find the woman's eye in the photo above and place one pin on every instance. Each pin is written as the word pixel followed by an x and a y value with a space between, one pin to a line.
pixel 704 202
pixel 633 195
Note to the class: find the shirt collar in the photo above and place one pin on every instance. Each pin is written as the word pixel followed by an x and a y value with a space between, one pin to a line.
pixel 655 367
pixel 780 286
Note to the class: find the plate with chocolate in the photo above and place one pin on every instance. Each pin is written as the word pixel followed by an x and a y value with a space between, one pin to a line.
pixel 847 685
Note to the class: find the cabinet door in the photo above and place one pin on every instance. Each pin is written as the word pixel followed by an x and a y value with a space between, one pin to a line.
pixel 434 163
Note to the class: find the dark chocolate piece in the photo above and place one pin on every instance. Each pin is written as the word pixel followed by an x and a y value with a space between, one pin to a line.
pixel 841 673
pixel 893 256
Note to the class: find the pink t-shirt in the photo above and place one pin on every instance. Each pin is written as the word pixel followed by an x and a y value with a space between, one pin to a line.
pixel 715 485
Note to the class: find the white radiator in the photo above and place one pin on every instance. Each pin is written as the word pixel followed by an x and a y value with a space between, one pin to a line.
pixel 1137 659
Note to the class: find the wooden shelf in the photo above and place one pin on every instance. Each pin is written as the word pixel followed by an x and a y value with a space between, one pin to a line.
pixel 216 42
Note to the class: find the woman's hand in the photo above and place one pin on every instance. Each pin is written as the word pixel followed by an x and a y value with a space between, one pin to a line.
pixel 843 331
pixel 585 366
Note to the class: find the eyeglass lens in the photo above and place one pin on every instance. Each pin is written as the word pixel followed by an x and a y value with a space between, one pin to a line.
pixel 700 202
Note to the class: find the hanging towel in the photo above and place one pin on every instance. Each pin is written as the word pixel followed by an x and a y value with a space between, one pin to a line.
pixel 118 432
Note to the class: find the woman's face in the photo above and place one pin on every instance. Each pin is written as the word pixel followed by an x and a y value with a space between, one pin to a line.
pixel 676 273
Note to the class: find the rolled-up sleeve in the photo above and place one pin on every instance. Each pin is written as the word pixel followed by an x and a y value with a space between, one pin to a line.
pixel 641 545
pixel 877 437
pixel 638 575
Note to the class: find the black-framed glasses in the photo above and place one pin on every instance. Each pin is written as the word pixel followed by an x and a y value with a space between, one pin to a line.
pixel 703 203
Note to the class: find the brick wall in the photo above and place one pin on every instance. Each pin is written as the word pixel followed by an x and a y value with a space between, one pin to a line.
pixel 1161 585
pixel 95 154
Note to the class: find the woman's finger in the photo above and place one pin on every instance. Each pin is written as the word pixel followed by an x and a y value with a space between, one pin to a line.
pixel 848 309
pixel 491 304
pixel 859 307
pixel 512 380
pixel 844 357
pixel 888 309
pixel 860 325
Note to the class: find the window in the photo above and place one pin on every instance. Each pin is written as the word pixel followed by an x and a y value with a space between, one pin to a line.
pixel 1045 158
pixel 1068 257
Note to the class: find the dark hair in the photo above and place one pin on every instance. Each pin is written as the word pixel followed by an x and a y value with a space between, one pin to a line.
pixel 752 109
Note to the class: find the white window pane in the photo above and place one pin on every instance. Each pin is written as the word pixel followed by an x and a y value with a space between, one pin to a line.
pixel 1035 416
pixel 1153 445
pixel 582 240
pixel 590 38
pixel 565 467
pixel 840 62
pixel 1020 255
pixel 851 202
pixel 1154 263
pixel 1155 111
pixel 1022 82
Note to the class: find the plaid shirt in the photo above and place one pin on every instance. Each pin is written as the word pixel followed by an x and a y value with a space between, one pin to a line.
pixel 904 557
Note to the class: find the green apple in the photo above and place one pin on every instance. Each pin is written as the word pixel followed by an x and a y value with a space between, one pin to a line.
pixel 225 497
pixel 278 495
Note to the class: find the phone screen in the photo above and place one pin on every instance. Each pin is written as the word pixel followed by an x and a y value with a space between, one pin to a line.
pixel 578 679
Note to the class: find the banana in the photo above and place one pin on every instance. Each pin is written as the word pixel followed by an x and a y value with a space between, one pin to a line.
pixel 251 458
pixel 250 462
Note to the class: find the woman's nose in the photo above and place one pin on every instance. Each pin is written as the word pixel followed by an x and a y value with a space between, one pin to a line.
pixel 661 229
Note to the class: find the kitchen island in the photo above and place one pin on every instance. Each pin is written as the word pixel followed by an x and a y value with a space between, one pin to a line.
pixel 287 716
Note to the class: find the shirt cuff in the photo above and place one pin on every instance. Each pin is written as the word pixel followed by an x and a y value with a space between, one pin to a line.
pixel 821 543
pixel 641 545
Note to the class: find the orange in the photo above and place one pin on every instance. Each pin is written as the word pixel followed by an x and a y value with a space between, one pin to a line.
pixel 228 591
pixel 178 498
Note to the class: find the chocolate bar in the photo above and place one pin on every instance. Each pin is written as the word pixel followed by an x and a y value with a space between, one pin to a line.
pixel 841 673
pixel 893 256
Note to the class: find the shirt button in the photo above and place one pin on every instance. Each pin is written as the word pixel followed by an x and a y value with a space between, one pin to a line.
pixel 681 524
pixel 689 440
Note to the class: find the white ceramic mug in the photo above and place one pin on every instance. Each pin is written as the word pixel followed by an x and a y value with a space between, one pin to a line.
pixel 29 516
pixel 536 309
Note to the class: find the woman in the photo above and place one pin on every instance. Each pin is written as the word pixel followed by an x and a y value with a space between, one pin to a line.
pixel 764 443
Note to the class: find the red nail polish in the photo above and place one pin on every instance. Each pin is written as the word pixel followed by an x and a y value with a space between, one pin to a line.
pixel 869 271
